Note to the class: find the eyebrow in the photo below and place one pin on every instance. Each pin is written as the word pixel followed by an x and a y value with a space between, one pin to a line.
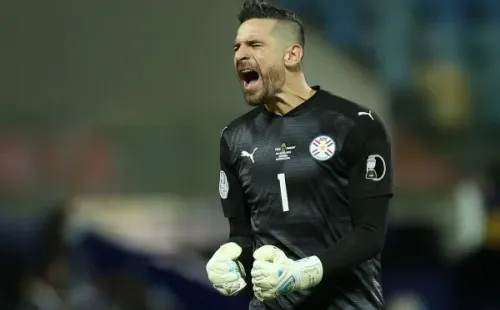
pixel 249 41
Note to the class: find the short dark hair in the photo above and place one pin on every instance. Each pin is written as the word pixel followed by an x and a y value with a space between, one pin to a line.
pixel 261 9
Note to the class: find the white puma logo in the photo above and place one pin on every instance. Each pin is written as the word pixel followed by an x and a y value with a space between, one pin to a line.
pixel 366 113
pixel 246 154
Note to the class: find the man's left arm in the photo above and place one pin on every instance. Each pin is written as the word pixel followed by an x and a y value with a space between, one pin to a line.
pixel 367 152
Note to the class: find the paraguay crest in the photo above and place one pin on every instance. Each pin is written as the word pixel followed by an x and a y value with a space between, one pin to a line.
pixel 322 148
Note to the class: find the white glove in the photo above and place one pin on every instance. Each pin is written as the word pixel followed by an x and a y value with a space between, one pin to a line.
pixel 224 270
pixel 274 274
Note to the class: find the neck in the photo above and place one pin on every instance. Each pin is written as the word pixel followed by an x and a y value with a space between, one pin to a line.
pixel 295 92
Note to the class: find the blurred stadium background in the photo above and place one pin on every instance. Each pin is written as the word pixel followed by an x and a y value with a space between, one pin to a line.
pixel 109 137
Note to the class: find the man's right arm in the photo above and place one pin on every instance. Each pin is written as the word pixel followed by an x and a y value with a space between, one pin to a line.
pixel 234 207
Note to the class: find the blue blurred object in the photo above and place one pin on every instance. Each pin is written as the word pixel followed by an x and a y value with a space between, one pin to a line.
pixel 393 42
pixel 433 285
pixel 340 19
pixel 342 23
pixel 106 258
pixel 28 244
pixel 184 289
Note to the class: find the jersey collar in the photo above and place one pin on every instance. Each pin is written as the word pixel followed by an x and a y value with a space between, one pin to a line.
pixel 301 108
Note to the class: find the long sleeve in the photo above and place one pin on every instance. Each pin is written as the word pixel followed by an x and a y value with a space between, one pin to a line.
pixel 364 242
pixel 367 152
pixel 234 207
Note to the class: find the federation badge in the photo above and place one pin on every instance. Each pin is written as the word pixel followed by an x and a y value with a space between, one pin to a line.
pixel 375 168
pixel 223 185
pixel 322 148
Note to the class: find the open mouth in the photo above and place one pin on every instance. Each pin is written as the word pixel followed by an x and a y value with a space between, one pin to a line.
pixel 249 77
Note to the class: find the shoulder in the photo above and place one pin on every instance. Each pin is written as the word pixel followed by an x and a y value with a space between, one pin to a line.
pixel 363 121
pixel 239 125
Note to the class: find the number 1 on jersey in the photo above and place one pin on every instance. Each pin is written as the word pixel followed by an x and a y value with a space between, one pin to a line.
pixel 284 194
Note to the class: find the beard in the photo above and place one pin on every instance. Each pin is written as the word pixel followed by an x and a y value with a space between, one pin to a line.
pixel 270 83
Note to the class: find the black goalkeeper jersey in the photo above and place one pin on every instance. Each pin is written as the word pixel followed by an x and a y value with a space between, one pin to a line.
pixel 294 176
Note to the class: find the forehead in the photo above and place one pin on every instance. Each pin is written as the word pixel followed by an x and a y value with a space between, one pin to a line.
pixel 255 29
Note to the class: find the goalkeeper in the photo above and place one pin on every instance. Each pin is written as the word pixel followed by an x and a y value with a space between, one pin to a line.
pixel 305 181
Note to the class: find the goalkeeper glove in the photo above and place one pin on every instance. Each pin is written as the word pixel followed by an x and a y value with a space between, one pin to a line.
pixel 274 274
pixel 224 270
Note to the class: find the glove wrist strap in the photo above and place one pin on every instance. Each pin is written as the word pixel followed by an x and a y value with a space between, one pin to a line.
pixel 311 270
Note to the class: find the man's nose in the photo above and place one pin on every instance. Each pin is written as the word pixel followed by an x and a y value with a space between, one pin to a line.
pixel 241 54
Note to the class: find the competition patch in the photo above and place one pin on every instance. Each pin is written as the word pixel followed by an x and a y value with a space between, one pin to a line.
pixel 322 148
pixel 375 168
pixel 223 185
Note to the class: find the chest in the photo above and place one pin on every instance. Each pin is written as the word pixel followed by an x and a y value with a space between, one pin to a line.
pixel 300 153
